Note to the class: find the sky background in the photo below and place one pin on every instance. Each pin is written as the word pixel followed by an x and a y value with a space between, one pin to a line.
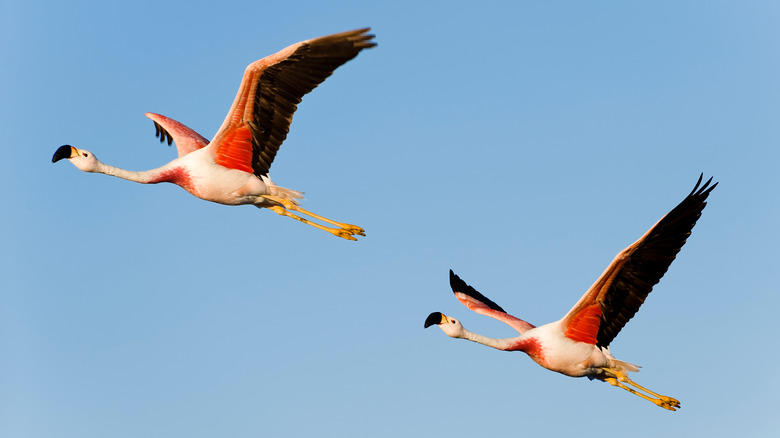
pixel 520 144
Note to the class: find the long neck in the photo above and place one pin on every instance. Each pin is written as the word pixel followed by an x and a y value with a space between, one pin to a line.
pixel 499 344
pixel 143 177
pixel 172 172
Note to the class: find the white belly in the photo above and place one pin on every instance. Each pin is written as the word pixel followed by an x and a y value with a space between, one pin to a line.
pixel 561 354
pixel 215 183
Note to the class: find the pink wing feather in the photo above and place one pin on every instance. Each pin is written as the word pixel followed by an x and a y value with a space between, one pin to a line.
pixel 269 94
pixel 186 139
pixel 619 292
pixel 481 304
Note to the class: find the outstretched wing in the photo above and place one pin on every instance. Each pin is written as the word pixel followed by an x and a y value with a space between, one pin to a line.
pixel 170 130
pixel 617 295
pixel 259 120
pixel 481 304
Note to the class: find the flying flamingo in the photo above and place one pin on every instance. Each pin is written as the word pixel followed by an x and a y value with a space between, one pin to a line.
pixel 233 168
pixel 578 344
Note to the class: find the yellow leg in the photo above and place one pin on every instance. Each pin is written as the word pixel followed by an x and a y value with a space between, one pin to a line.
pixel 289 205
pixel 620 378
pixel 344 234
pixel 354 229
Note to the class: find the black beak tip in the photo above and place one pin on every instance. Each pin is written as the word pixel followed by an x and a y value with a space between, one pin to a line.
pixel 62 152
pixel 433 319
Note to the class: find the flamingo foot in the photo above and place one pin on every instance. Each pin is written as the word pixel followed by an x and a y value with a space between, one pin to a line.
pixel 353 229
pixel 340 232
pixel 669 403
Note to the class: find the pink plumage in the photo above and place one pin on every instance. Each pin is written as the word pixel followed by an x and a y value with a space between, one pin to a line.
pixel 577 345
pixel 233 168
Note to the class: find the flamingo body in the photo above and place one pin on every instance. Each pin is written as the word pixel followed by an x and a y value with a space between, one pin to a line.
pixel 577 345
pixel 549 347
pixel 233 167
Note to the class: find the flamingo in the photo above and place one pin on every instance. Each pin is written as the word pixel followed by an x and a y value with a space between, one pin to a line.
pixel 578 344
pixel 233 168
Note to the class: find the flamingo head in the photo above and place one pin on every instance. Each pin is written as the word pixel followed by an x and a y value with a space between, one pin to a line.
pixel 450 326
pixel 84 160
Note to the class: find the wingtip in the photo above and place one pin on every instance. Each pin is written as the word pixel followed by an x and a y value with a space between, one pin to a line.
pixel 455 281
pixel 360 38
pixel 700 189
pixel 363 39
pixel 461 287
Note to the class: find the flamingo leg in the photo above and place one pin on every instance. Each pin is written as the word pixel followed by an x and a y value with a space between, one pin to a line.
pixel 339 232
pixel 289 205
pixel 621 379
pixel 354 229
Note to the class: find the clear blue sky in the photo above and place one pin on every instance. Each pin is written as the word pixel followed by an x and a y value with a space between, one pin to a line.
pixel 521 144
